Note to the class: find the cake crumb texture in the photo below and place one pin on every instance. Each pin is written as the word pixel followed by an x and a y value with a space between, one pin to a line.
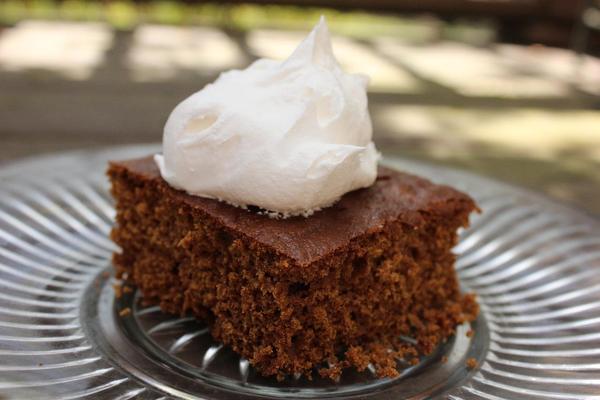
pixel 471 363
pixel 125 312
pixel 341 306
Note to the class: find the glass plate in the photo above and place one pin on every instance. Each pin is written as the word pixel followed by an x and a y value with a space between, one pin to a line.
pixel 534 264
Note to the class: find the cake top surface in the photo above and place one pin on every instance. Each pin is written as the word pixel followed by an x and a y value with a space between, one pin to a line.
pixel 395 195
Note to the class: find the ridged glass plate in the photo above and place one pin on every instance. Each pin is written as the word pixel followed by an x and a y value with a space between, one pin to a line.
pixel 534 265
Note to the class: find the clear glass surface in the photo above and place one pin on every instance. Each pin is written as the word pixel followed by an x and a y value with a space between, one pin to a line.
pixel 534 264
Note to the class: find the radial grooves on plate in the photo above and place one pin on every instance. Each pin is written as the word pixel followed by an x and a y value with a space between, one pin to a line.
pixel 185 339
pixel 169 324
pixel 98 197
pixel 48 242
pixel 540 329
pixel 535 272
pixel 475 393
pixel 510 273
pixel 34 217
pixel 371 369
pixel 490 207
pixel 41 267
pixel 53 240
pixel 64 269
pixel 563 298
pixel 38 327
pixel 43 255
pixel 94 390
pixel 520 391
pixel 546 341
pixel 534 353
pixel 542 366
pixel 505 218
pixel 79 362
pixel 542 289
pixel 130 394
pixel 540 379
pixel 492 279
pixel 57 381
pixel 33 278
pixel 496 245
pixel 540 274
pixel 41 339
pixel 244 367
pixel 515 252
pixel 148 310
pixel 64 215
pixel 37 303
pixel 50 352
pixel 36 291
pixel 35 314
pixel 543 316
pixel 83 210
pixel 210 355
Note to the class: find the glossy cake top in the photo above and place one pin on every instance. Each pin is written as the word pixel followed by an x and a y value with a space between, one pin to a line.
pixel 394 196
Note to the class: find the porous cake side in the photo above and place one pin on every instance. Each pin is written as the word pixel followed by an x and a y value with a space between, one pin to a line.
pixel 287 316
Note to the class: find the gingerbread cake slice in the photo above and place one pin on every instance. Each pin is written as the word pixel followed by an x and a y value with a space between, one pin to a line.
pixel 342 285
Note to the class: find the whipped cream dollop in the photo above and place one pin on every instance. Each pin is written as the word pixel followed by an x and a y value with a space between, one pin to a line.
pixel 290 136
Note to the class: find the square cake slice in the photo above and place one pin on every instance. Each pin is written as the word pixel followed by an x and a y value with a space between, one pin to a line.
pixel 342 285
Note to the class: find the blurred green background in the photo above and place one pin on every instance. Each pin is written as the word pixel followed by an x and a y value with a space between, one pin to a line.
pixel 502 90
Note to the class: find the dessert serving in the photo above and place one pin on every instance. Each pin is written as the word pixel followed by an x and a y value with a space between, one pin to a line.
pixel 267 216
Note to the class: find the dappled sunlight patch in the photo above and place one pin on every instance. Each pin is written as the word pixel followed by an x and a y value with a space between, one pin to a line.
pixel 160 52
pixel 583 72
pixel 503 70
pixel 539 133
pixel 355 57
pixel 72 50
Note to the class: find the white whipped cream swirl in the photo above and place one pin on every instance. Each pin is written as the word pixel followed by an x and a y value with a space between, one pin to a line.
pixel 290 137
